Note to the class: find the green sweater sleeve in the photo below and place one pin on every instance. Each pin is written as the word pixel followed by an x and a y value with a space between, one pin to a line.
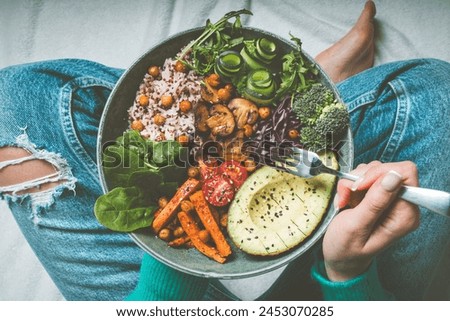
pixel 365 287
pixel 158 282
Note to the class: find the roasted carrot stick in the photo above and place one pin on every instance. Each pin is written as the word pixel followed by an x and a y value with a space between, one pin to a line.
pixel 191 229
pixel 169 211
pixel 209 222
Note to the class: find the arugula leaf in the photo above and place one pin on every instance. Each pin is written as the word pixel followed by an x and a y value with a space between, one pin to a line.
pixel 211 28
pixel 206 48
pixel 296 74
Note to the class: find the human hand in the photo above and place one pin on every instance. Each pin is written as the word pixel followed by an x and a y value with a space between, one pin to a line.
pixel 376 217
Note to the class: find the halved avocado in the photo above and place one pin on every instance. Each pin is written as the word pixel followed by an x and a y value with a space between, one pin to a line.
pixel 274 211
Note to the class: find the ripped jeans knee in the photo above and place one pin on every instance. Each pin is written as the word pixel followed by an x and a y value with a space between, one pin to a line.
pixel 33 175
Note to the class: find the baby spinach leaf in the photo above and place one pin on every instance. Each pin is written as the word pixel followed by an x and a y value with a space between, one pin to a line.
pixel 168 188
pixel 133 141
pixel 174 173
pixel 124 209
pixel 119 163
pixel 148 181
pixel 139 171
pixel 166 153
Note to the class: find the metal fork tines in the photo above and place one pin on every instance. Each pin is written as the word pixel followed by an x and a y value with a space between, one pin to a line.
pixel 282 161
pixel 301 162
pixel 308 164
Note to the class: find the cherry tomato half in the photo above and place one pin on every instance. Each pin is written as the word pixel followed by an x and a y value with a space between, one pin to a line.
pixel 218 191
pixel 208 169
pixel 234 171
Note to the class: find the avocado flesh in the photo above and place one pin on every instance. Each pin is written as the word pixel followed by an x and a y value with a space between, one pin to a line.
pixel 274 211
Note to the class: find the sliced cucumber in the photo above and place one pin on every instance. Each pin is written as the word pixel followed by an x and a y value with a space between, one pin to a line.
pixel 251 60
pixel 259 53
pixel 261 81
pixel 228 64
pixel 260 87
pixel 266 50
pixel 256 97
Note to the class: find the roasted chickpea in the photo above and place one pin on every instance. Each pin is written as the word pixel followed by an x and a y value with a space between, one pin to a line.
pixel 213 80
pixel 166 101
pixel 187 206
pixel 293 134
pixel 159 119
pixel 153 71
pixel 204 236
pixel 193 172
pixel 229 87
pixel 137 125
pixel 264 112
pixel 249 165
pixel 185 106
pixel 143 100
pixel 178 232
pixel 183 140
pixel 224 94
pixel 162 202
pixel 180 67
pixel 248 130
pixel 165 234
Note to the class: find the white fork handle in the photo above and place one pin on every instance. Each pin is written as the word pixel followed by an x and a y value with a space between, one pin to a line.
pixel 434 200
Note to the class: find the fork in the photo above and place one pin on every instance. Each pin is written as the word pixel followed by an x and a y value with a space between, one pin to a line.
pixel 304 163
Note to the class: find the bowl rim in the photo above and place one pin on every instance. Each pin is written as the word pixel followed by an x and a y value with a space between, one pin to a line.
pixel 297 251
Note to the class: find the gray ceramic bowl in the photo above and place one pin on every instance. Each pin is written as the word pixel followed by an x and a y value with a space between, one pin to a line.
pixel 115 121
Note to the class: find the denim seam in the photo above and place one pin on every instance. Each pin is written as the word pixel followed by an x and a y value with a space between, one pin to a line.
pixel 401 120
pixel 360 101
pixel 67 121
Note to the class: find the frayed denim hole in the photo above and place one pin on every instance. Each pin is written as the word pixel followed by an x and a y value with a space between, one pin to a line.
pixel 38 201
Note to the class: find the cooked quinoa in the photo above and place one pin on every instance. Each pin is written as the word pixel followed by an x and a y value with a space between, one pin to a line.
pixel 170 122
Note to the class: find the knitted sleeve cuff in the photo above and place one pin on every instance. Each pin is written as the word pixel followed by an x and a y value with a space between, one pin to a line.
pixel 365 287
pixel 158 282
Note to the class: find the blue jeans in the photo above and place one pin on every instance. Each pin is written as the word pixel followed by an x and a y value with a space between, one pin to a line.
pixel 399 111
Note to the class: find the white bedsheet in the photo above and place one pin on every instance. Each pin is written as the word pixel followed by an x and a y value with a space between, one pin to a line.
pixel 117 32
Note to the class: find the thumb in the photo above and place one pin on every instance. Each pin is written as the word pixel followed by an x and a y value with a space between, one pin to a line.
pixel 378 198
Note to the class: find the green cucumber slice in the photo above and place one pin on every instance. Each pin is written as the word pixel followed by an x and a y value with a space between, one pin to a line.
pixel 261 81
pixel 257 98
pixel 266 50
pixel 251 60
pixel 228 64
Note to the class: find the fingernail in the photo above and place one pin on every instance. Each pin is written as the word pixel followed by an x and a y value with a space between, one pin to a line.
pixel 356 183
pixel 336 202
pixel 391 181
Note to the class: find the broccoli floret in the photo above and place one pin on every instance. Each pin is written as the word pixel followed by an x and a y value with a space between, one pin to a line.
pixel 309 104
pixel 333 119
pixel 312 139
pixel 330 125
pixel 322 118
